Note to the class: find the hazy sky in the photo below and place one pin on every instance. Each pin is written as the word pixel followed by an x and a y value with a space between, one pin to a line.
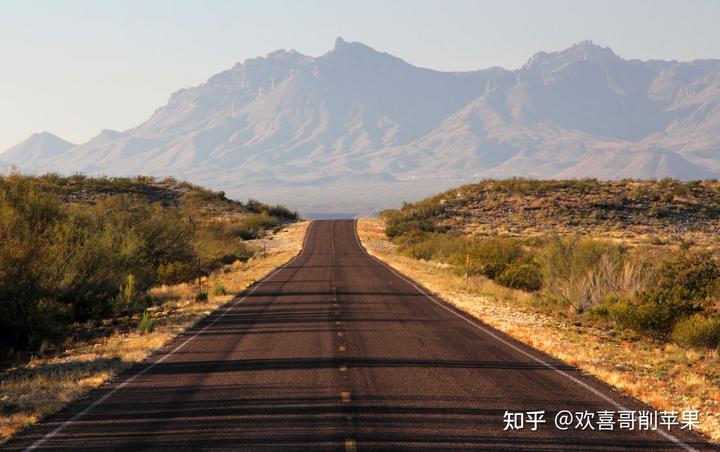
pixel 75 67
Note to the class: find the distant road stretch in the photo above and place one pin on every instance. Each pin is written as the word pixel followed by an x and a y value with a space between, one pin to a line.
pixel 337 351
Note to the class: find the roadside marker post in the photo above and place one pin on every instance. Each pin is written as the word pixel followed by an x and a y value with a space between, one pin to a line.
pixel 467 269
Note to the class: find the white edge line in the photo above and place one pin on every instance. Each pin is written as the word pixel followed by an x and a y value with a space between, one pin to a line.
pixel 490 333
pixel 129 380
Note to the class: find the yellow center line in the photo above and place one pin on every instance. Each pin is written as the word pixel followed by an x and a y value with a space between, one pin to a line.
pixel 343 368
pixel 341 348
pixel 340 334
pixel 350 445
pixel 345 396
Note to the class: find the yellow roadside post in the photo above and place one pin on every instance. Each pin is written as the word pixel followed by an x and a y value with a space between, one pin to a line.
pixel 467 269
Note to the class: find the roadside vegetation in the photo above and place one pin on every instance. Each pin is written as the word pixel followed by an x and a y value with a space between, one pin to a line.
pixel 667 292
pixel 666 211
pixel 79 249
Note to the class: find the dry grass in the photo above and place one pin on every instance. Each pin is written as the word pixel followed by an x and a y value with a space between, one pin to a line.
pixel 46 384
pixel 665 376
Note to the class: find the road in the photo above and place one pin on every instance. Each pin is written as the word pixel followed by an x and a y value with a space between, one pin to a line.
pixel 337 351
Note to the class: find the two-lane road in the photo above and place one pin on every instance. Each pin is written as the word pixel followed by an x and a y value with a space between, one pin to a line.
pixel 337 351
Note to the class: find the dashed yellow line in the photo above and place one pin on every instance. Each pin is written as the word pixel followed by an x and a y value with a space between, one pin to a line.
pixel 345 396
pixel 343 368
pixel 341 348
pixel 340 334
pixel 350 445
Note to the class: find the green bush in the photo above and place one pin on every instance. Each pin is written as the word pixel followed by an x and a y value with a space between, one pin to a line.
pixel 580 272
pixel 176 272
pixel 685 245
pixel 690 276
pixel 698 331
pixel 250 226
pixel 127 297
pixel 201 297
pixel 49 319
pixel 491 256
pixel 277 211
pixel 431 245
pixel 521 276
pixel 681 285
pixel 413 217
pixel 649 313
pixel 219 289
pixel 147 323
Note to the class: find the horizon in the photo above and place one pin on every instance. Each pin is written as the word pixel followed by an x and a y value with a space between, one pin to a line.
pixel 59 81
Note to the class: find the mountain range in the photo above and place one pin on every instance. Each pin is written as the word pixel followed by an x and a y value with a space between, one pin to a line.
pixel 356 130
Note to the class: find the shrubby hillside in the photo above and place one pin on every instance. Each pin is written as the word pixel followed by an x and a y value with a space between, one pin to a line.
pixel 79 248
pixel 529 207
pixel 579 247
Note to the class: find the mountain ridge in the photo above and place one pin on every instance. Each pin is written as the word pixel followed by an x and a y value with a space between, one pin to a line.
pixel 354 113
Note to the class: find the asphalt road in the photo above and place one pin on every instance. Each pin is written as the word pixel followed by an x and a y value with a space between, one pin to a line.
pixel 336 351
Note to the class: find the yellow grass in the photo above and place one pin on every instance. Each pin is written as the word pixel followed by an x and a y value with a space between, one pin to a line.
pixel 46 384
pixel 665 376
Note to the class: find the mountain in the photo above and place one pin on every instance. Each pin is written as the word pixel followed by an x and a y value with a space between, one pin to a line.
pixel 39 147
pixel 356 130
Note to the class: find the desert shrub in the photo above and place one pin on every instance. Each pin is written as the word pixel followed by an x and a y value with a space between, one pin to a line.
pixel 276 211
pixel 249 227
pixel 218 243
pixel 421 216
pixel 49 319
pixel 397 225
pixel 282 212
pixel 491 256
pixel 201 296
pixel 649 312
pixel 429 245
pixel 698 331
pixel 176 272
pixel 690 276
pixel 683 284
pixel 580 272
pixel 524 276
pixel 685 245
pixel 127 297
pixel 421 250
pixel 147 323
pixel 219 289
pixel 655 240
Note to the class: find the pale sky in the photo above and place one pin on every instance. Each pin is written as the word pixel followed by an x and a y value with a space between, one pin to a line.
pixel 75 67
